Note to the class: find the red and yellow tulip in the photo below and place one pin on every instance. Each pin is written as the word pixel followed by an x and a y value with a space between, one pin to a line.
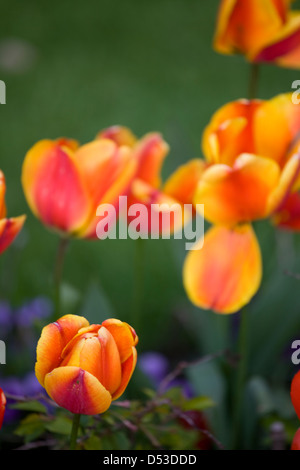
pixel 252 172
pixel 64 183
pixel 296 441
pixel 2 406
pixel 85 367
pixel 9 227
pixel 147 188
pixel 262 30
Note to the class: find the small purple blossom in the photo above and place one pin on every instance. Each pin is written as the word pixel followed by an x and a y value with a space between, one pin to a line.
pixel 37 309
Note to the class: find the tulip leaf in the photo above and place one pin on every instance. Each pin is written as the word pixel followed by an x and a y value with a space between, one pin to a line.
pixel 34 406
pixel 31 427
pixel 60 425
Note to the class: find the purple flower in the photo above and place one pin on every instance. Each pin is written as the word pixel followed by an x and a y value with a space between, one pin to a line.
pixel 154 365
pixel 36 309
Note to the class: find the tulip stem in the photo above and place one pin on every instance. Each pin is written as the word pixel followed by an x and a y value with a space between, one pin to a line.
pixel 61 251
pixel 139 280
pixel 74 432
pixel 240 378
pixel 253 82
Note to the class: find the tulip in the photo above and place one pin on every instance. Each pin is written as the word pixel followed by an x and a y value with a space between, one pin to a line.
pixel 64 183
pixel 2 406
pixel 85 367
pixel 296 441
pixel 263 31
pixel 147 187
pixel 252 173
pixel 9 227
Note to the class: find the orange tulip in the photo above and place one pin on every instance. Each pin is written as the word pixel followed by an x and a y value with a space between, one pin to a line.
pixel 2 406
pixel 147 187
pixel 296 441
pixel 64 183
pixel 9 228
pixel 252 173
pixel 262 30
pixel 84 367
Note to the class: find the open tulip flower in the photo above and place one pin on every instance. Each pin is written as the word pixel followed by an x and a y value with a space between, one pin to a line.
pixel 2 406
pixel 147 187
pixel 84 367
pixel 251 173
pixel 9 227
pixel 262 30
pixel 64 183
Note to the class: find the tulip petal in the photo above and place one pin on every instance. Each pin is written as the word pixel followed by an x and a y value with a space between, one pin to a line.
pixel 226 273
pixel 284 49
pixel 52 342
pixel 230 132
pixel 2 196
pixel 288 217
pixel 53 186
pixel 9 229
pixel 155 212
pixel 295 393
pixel 127 370
pixel 245 26
pixel 77 391
pixel 124 336
pixel 107 171
pixel 2 406
pixel 276 126
pixel 150 153
pixel 119 134
pixel 238 194
pixel 296 441
pixel 182 184
pixel 110 374
pixel 287 184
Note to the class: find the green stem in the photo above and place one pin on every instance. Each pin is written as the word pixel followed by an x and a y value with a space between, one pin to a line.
pixel 253 82
pixel 74 431
pixel 138 281
pixel 240 378
pixel 58 270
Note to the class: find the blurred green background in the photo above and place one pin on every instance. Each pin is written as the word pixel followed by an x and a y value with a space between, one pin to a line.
pixel 73 68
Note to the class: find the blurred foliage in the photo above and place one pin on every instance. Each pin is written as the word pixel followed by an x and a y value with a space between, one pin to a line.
pixel 149 66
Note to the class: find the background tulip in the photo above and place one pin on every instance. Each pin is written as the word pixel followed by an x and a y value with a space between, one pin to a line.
pixel 2 406
pixel 264 31
pixel 252 173
pixel 9 227
pixel 147 187
pixel 64 183
pixel 296 441
pixel 84 367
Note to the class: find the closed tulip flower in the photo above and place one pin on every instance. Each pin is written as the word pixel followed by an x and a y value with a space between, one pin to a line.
pixel 2 406
pixel 9 227
pixel 64 183
pixel 253 167
pixel 262 30
pixel 85 367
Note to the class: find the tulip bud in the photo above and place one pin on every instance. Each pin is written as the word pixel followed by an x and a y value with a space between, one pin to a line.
pixel 85 367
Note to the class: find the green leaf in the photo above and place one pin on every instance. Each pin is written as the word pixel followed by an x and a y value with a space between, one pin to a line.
pixel 93 443
pixel 60 425
pixel 31 427
pixel 198 403
pixel 33 405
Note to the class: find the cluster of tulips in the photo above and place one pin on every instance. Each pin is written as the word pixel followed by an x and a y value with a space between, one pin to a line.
pixel 250 171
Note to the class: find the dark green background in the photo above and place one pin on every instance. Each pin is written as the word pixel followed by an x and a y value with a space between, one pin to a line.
pixel 148 65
